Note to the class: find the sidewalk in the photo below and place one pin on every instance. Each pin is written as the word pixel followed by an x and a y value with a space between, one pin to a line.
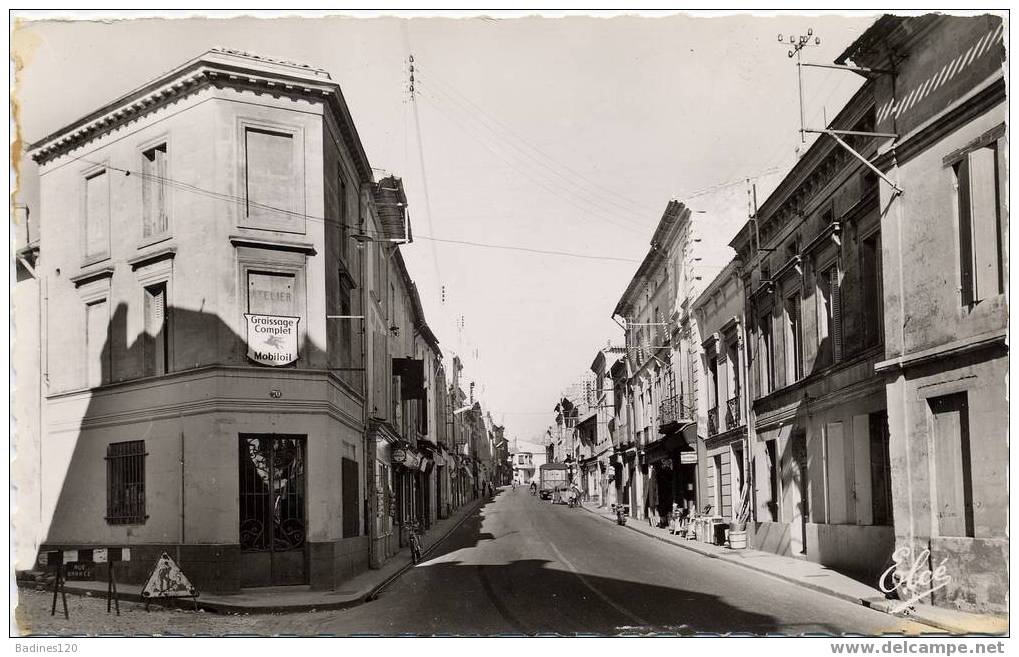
pixel 816 577
pixel 288 599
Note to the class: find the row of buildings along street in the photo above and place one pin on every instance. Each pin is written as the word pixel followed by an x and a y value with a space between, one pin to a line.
pixel 819 371
pixel 222 357
pixel 243 379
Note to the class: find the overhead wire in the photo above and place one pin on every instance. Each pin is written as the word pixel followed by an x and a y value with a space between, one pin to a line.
pixel 595 188
pixel 520 166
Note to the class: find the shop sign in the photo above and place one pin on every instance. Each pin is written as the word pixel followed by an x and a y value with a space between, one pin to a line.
pixel 272 339
pixel 399 456
pixel 688 457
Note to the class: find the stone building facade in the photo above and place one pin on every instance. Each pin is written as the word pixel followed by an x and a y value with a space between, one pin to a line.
pixel 944 262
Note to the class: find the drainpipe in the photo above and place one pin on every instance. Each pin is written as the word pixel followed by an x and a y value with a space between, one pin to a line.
pixel 367 444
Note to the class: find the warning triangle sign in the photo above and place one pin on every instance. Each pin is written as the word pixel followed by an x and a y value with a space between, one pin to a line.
pixel 167 580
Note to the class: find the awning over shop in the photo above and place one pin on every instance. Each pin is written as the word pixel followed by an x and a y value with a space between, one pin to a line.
pixel 684 440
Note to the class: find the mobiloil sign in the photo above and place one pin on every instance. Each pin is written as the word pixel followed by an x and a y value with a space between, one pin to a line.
pixel 272 339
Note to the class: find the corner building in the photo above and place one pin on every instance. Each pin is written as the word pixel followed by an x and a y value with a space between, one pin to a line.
pixel 225 189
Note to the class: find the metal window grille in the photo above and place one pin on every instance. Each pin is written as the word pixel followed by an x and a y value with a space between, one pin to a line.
pixel 125 483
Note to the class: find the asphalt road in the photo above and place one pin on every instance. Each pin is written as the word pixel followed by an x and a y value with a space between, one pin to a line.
pixel 523 566
pixel 520 566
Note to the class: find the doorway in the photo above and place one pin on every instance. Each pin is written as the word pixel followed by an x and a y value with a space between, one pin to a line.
pixel 272 525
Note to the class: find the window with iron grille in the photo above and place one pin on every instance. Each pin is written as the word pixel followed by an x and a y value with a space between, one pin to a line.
pixel 125 483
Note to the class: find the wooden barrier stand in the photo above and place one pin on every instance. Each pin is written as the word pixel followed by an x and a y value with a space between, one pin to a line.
pixel 60 559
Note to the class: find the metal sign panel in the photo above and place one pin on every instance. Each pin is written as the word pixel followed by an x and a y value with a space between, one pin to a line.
pixel 167 580
pixel 272 339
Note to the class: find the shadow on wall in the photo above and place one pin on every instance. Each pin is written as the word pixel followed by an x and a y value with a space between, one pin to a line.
pixel 98 494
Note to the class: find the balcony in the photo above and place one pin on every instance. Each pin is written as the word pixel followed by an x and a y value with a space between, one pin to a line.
pixel 713 421
pixel 732 418
pixel 674 411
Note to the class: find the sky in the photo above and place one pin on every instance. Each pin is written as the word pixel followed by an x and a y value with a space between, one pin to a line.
pixel 552 134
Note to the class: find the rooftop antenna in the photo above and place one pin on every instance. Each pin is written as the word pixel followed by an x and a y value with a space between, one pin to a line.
pixel 797 44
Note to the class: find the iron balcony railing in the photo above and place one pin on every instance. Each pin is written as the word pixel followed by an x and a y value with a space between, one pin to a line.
pixel 675 410
pixel 732 418
pixel 713 421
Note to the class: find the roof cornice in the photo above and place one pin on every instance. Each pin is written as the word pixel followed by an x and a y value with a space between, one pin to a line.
pixel 215 70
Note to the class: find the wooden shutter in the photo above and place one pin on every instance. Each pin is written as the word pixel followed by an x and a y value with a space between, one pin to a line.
pixel 952 467
pixel 984 217
pixel 836 313
pixel 155 329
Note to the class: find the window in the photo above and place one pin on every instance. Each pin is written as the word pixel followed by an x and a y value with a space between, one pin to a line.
pixel 765 354
pixel 351 504
pixel 97 325
pixel 978 197
pixel 155 192
pixel 716 466
pixel 793 345
pixel 269 176
pixel 271 294
pixel 952 465
pixel 873 297
pixel 880 469
pixel 97 215
pixel 342 218
pixel 154 343
pixel 829 315
pixel 346 325
pixel 125 483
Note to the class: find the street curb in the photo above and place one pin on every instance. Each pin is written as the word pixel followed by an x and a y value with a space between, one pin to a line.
pixel 227 608
pixel 876 603
pixel 379 588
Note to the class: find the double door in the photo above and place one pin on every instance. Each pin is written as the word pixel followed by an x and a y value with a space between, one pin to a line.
pixel 273 516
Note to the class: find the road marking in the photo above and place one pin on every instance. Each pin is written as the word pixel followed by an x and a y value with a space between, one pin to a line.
pixel 626 612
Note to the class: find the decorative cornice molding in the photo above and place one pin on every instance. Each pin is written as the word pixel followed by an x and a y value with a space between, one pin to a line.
pixel 205 72
pixel 167 251
pixel 92 275
pixel 272 244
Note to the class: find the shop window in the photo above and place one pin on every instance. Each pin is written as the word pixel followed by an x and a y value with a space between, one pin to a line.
pixel 97 215
pixel 351 501
pixel 953 467
pixel 980 226
pixel 125 483
pixel 155 191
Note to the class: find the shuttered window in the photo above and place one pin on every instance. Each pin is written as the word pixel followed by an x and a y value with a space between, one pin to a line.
pixel 351 505
pixel 125 483
pixel 155 192
pixel 980 226
pixel 155 341
pixel 97 351
pixel 270 178
pixel 829 315
pixel 97 215
pixel 953 469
